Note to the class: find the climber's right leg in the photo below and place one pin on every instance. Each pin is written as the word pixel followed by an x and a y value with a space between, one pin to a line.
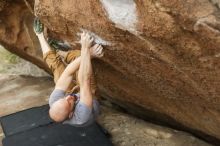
pixel 55 63
pixel 57 66
pixel 50 56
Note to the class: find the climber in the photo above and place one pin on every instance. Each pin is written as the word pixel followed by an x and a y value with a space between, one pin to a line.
pixel 78 109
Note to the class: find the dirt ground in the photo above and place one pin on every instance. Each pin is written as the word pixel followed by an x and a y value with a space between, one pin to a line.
pixel 22 92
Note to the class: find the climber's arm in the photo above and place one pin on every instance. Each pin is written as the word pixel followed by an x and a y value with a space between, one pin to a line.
pixel 85 70
pixel 68 74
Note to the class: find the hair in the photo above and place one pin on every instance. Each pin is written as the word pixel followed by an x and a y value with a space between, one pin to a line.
pixel 59 111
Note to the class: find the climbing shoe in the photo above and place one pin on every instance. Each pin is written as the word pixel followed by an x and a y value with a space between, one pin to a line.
pixel 38 26
pixel 58 44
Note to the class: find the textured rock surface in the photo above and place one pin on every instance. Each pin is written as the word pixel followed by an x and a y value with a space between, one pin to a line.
pixel 161 57
pixel 129 131
pixel 16 31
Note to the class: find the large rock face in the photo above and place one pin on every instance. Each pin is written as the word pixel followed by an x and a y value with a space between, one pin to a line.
pixel 161 57
pixel 16 31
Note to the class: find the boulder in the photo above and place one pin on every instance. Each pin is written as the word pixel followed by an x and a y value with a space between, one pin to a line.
pixel 161 57
pixel 16 31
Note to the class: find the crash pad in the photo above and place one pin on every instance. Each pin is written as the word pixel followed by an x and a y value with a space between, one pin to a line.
pixel 34 127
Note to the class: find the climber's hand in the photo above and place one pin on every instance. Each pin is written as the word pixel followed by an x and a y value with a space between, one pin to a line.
pixel 86 40
pixel 96 51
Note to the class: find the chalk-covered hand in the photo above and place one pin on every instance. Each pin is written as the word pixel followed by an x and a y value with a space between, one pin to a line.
pixel 96 51
pixel 86 40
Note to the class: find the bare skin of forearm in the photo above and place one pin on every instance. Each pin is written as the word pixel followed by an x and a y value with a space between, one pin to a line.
pixel 43 42
pixel 73 66
pixel 85 69
pixel 84 77
pixel 68 74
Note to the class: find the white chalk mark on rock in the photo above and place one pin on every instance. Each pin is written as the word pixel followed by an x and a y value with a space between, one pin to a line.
pixel 97 38
pixel 122 13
